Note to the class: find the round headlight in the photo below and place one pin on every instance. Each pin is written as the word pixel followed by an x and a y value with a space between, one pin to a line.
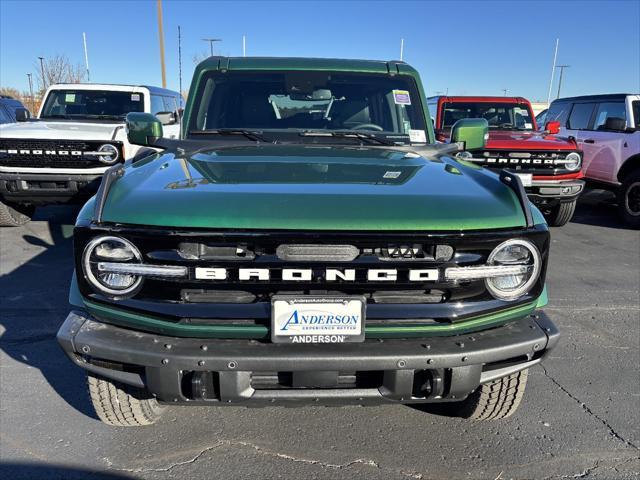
pixel 108 154
pixel 514 253
pixel 110 249
pixel 573 161
pixel 464 155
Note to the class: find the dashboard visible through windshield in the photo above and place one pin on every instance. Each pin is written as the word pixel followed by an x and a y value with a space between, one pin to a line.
pixel 91 104
pixel 273 102
pixel 498 115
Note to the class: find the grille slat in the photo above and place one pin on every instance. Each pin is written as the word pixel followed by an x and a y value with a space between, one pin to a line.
pixel 19 152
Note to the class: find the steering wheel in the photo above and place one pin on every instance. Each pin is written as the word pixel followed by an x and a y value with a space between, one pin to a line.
pixel 368 126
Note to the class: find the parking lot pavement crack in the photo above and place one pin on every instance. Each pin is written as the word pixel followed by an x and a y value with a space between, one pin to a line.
pixel 169 467
pixel 262 451
pixel 586 408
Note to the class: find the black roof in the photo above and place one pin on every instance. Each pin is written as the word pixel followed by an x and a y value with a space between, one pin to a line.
pixel 594 98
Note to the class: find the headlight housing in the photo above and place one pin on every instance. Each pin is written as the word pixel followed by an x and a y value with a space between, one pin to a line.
pixel 464 155
pixel 109 154
pixel 573 161
pixel 111 249
pixel 514 253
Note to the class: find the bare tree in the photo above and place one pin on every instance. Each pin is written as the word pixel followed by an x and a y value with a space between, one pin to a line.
pixel 10 92
pixel 59 69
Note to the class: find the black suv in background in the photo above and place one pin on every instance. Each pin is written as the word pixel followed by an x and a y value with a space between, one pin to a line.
pixel 8 107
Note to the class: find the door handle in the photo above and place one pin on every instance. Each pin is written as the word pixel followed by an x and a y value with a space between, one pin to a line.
pixel 589 140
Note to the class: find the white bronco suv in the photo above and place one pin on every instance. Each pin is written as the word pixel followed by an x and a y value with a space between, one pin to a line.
pixel 60 156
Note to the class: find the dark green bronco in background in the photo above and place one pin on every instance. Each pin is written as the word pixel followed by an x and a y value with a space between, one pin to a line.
pixel 307 242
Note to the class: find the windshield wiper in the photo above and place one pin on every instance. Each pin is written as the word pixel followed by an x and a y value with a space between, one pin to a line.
pixel 357 135
pixel 251 135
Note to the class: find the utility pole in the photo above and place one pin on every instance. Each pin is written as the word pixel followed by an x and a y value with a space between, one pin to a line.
pixel 553 69
pixel 401 48
pixel 44 81
pixel 161 38
pixel 86 55
pixel 561 67
pixel 180 63
pixel 31 92
pixel 211 42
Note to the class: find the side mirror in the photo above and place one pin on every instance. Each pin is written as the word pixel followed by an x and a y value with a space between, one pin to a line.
pixel 22 114
pixel 552 127
pixel 166 118
pixel 143 129
pixel 473 133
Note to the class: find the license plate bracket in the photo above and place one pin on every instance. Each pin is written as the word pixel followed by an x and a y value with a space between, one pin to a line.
pixel 317 319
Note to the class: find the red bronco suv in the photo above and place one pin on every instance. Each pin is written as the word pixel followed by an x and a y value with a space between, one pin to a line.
pixel 548 165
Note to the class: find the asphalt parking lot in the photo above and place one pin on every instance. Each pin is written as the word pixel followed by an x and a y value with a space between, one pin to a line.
pixel 580 417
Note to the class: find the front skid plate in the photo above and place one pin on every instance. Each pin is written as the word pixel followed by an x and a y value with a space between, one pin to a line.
pixel 164 358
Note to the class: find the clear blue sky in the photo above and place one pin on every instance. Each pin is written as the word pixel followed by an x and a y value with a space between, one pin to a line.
pixel 465 47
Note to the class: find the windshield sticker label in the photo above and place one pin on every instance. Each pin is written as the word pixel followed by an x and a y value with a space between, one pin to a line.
pixel 528 125
pixel 69 97
pixel 417 136
pixel 401 97
pixel 135 97
pixel 391 174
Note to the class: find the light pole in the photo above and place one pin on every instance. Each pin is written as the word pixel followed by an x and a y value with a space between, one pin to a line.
pixel 211 42
pixel 161 39
pixel 561 67
pixel 31 91
pixel 505 90
pixel 44 83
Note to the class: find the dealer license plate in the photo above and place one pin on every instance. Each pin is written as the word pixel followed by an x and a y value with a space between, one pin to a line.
pixel 526 179
pixel 299 319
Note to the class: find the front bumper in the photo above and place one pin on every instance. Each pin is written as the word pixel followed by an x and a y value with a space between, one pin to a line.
pixel 248 372
pixel 46 188
pixel 549 193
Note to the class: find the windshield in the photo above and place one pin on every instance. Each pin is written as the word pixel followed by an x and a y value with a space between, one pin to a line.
pixel 101 104
pixel 379 105
pixel 499 115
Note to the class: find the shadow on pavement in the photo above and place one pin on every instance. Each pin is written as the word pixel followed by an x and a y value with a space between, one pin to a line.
pixel 34 471
pixel 35 300
pixel 598 208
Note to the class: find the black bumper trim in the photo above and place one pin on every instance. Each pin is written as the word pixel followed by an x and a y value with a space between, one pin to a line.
pixel 469 359
pixel 14 187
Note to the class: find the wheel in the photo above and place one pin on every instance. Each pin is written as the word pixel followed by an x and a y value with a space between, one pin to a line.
pixel 122 405
pixel 491 401
pixel 629 199
pixel 15 215
pixel 561 214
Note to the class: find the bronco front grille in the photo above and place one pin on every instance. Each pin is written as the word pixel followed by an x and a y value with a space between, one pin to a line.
pixel 18 152
pixel 544 162
pixel 229 297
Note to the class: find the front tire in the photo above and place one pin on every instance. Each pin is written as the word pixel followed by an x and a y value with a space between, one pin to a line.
pixel 629 199
pixel 491 401
pixel 561 214
pixel 15 215
pixel 122 405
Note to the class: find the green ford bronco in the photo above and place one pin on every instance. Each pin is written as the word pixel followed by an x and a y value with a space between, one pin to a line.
pixel 307 241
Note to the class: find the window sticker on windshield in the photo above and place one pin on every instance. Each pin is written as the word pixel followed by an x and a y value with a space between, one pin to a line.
pixel 401 97
pixel 391 174
pixel 417 136
pixel 69 98
pixel 528 125
pixel 135 97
